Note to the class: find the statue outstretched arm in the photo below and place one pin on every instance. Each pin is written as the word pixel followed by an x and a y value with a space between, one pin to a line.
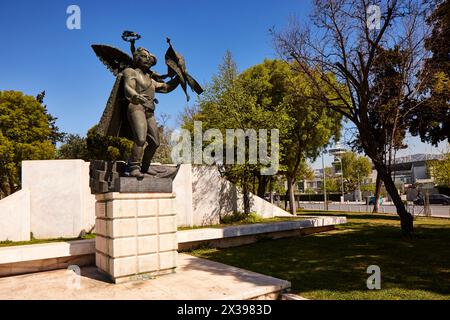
pixel 166 87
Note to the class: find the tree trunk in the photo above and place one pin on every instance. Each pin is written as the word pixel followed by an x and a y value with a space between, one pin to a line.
pixel 286 197
pixel 271 189
pixel 377 193
pixel 6 187
pixel 406 219
pixel 246 196
pixel 292 204
pixel 262 185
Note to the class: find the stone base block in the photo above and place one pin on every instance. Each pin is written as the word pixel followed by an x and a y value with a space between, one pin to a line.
pixel 136 235
pixel 148 184
pixel 114 176
pixel 141 267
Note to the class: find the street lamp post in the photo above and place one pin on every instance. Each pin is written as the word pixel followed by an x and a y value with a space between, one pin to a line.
pixel 359 187
pixel 325 204
pixel 337 153
pixel 342 179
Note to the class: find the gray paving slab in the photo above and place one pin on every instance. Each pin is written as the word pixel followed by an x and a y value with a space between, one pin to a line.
pixel 196 278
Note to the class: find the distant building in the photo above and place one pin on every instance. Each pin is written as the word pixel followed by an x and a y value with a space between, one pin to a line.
pixel 315 184
pixel 405 171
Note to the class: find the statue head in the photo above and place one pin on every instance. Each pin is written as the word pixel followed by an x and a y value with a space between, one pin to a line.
pixel 142 57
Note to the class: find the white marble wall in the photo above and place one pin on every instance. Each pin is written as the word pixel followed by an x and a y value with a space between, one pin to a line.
pixel 60 201
pixel 15 217
pixel 214 197
pixel 182 187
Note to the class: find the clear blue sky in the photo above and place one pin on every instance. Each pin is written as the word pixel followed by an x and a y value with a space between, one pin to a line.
pixel 38 52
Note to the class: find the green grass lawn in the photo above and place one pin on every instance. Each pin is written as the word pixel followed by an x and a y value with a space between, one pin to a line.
pixel 39 241
pixel 333 265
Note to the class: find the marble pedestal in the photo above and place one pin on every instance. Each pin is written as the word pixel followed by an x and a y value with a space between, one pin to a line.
pixel 136 235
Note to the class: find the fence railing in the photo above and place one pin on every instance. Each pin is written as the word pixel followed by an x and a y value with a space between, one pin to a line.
pixel 436 210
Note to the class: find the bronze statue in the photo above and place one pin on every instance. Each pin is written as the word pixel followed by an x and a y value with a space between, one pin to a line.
pixel 130 109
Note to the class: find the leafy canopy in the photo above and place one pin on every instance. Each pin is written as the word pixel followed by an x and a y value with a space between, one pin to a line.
pixel 26 133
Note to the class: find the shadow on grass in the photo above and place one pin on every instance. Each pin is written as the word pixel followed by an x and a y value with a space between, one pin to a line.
pixel 337 261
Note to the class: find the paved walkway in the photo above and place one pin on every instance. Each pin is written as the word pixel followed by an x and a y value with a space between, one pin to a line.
pixel 196 279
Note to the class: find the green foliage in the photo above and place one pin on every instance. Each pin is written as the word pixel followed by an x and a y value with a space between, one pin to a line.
pixel 372 188
pixel 368 187
pixel 56 134
pixel 241 217
pixel 107 147
pixel 266 96
pixel 309 191
pixel 333 184
pixel 163 153
pixel 233 101
pixel 312 124
pixel 440 170
pixel 98 147
pixel 304 171
pixel 25 134
pixel 355 168
pixel 74 147
pixel 277 184
pixel 432 119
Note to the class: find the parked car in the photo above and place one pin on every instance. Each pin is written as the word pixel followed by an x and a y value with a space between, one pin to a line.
pixel 434 199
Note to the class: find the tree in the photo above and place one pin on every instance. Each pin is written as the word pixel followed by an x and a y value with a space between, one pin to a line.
pixel 109 148
pixel 431 121
pixel 305 173
pixel 345 43
pixel 387 114
pixel 268 96
pixel 440 170
pixel 267 83
pixel 333 183
pixel 355 168
pixel 8 168
pixel 306 127
pixel 162 154
pixel 74 147
pixel 26 133
pixel 227 104
pixel 312 126
pixel 56 134
pixel 94 146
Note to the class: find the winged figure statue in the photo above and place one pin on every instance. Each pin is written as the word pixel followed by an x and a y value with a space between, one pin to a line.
pixel 130 109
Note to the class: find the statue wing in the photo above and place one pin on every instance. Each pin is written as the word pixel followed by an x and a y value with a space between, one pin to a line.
pixel 114 121
pixel 109 124
pixel 114 59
